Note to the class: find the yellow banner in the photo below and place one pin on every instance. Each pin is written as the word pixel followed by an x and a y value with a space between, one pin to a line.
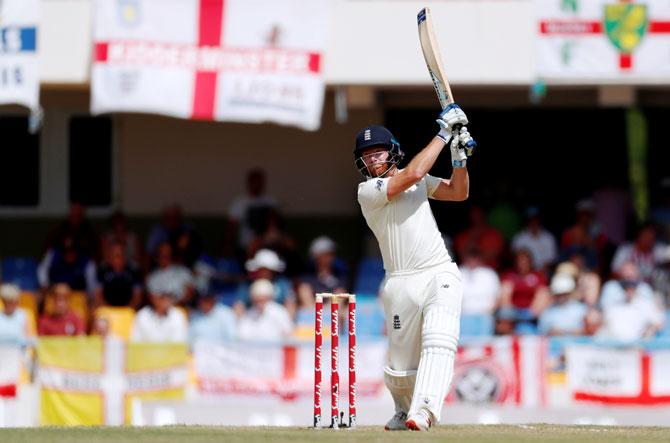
pixel 93 381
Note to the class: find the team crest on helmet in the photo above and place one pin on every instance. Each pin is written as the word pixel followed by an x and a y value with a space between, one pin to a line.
pixel 625 25
pixel 367 135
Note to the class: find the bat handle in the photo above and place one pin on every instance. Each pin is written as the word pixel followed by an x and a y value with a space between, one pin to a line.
pixel 469 146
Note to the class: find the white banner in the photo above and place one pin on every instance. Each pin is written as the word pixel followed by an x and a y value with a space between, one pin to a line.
pixel 618 375
pixel 19 73
pixel 603 39
pixel 227 60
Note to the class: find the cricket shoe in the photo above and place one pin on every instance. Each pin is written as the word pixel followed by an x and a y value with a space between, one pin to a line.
pixel 420 421
pixel 397 422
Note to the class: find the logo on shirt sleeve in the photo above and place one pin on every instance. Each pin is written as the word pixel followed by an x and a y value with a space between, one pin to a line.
pixel 378 185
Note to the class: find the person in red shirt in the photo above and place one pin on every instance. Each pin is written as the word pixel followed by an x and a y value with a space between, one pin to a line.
pixel 61 321
pixel 524 294
pixel 482 237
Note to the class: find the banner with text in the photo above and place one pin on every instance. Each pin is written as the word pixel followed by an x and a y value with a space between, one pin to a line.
pixel 618 375
pixel 603 39
pixel 227 60
pixel 19 73
pixel 91 381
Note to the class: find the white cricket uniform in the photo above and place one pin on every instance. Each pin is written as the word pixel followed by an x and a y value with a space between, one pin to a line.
pixel 421 292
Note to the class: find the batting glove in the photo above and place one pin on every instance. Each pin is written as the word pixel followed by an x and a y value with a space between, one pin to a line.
pixel 461 146
pixel 449 118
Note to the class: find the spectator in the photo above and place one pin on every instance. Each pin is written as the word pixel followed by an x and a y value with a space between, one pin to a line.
pixel 13 320
pixel 119 283
pixel 175 279
pixel 482 237
pixel 61 321
pixel 326 273
pixel 274 236
pixel 628 276
pixel 77 229
pixel 100 327
pixel 588 282
pixel 645 252
pixel 248 213
pixel 580 250
pixel 636 317
pixel 184 240
pixel 211 321
pixel 266 264
pixel 523 293
pixel 66 264
pixel 566 316
pixel 481 285
pixel 585 231
pixel 267 320
pixel 119 233
pixel 160 321
pixel 660 278
pixel 537 240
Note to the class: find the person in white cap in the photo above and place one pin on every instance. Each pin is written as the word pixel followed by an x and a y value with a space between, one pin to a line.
pixel 13 320
pixel 266 320
pixel 266 264
pixel 566 315
pixel 326 272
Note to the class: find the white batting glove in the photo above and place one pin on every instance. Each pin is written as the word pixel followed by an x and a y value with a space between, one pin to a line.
pixel 451 116
pixel 458 155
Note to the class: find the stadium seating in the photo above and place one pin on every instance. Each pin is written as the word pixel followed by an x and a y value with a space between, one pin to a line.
pixel 369 275
pixel 475 325
pixel 21 271
pixel 225 282
pixel 120 320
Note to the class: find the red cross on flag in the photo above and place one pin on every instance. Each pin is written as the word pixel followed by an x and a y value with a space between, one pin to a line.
pixel 227 60
pixel 603 40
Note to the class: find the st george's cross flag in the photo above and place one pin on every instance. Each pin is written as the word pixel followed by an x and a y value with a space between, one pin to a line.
pixel 19 73
pixel 611 40
pixel 227 60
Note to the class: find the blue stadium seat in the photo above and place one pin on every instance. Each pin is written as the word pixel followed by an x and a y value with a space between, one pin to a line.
pixel 226 282
pixel 369 318
pixel 21 271
pixel 665 332
pixel 369 275
pixel 477 325
pixel 525 328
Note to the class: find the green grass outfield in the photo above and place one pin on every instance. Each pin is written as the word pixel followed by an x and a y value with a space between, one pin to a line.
pixel 468 434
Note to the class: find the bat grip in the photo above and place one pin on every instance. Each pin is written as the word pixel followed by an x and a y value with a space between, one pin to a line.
pixel 469 146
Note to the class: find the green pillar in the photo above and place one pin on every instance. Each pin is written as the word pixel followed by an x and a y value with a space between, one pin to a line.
pixel 636 132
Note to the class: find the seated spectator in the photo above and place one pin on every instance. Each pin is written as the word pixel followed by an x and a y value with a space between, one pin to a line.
pixel 211 321
pixel 585 231
pixel 66 264
pixel 325 272
pixel 160 321
pixel 523 293
pixel 174 230
pixel 13 320
pixel 120 234
pixel 61 321
pixel 660 278
pixel 566 316
pixel 588 282
pixel 266 264
pixel 537 240
pixel 274 236
pixel 119 283
pixel 78 230
pixel 248 213
pixel 627 277
pixel 100 327
pixel 482 237
pixel 266 320
pixel 580 249
pixel 178 279
pixel 636 317
pixel 645 252
pixel 481 285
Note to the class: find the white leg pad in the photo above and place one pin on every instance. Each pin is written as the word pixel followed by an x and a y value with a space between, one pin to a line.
pixel 401 385
pixel 438 351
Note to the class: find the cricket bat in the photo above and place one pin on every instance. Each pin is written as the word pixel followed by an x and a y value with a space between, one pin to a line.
pixel 431 53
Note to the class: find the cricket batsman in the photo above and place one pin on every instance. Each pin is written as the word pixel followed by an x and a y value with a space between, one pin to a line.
pixel 422 289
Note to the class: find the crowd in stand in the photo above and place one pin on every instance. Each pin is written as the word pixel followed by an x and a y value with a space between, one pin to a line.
pixel 578 284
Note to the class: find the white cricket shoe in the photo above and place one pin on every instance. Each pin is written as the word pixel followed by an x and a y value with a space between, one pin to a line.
pixel 397 422
pixel 420 421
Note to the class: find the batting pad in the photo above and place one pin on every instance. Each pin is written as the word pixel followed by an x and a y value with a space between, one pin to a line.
pixel 436 367
pixel 401 385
